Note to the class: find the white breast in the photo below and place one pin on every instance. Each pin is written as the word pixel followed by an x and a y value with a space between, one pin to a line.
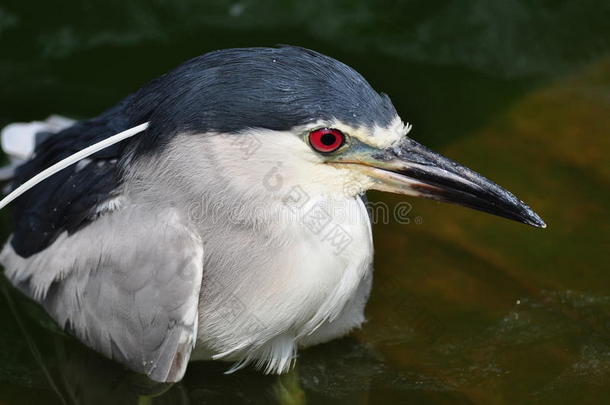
pixel 299 282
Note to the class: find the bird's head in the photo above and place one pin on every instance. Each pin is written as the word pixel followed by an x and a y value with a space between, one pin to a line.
pixel 278 118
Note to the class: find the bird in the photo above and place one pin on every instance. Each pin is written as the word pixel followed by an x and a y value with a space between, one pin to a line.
pixel 233 224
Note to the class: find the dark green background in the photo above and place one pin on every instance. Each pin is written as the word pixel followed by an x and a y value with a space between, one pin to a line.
pixel 466 308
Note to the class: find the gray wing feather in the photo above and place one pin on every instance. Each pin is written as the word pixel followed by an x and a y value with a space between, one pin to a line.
pixel 127 285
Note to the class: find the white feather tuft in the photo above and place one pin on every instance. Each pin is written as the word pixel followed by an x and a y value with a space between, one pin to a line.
pixel 18 140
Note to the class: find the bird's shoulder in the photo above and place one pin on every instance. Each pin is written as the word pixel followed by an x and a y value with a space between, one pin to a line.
pixel 69 199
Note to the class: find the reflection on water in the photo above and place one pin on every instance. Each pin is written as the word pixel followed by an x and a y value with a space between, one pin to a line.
pixel 466 308
pixel 541 337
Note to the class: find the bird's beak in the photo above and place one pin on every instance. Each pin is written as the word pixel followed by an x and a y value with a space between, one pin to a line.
pixel 412 169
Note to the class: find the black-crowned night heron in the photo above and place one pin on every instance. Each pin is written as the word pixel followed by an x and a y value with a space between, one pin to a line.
pixel 233 226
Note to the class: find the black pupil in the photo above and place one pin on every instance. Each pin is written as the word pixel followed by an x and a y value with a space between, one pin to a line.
pixel 328 139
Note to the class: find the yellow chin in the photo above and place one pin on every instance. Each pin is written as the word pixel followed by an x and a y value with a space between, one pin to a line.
pixel 374 178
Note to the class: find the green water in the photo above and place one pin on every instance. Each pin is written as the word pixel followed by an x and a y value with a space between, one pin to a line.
pixel 466 308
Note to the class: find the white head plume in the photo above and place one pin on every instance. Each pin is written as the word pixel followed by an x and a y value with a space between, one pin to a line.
pixel 70 160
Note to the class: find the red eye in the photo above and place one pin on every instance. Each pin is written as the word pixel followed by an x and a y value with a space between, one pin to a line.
pixel 326 140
